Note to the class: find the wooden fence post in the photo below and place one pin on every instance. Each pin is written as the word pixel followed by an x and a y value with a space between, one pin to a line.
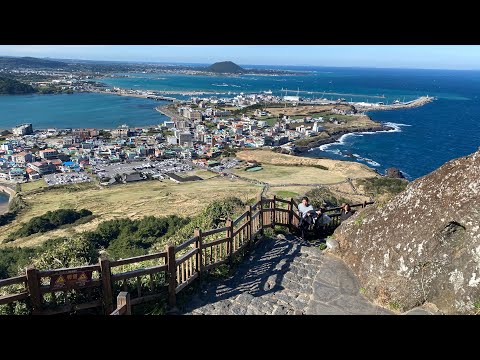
pixel 290 215
pixel 260 216
pixel 364 205
pixel 172 267
pixel 34 289
pixel 124 299
pixel 229 225
pixel 248 208
pixel 274 202
pixel 106 284
pixel 198 244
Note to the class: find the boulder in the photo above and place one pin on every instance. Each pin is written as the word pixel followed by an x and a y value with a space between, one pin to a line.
pixel 394 173
pixel 424 244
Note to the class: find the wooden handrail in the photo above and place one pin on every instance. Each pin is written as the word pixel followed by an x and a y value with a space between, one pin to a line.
pixel 253 224
pixel 135 259
pixel 13 280
pixel 124 306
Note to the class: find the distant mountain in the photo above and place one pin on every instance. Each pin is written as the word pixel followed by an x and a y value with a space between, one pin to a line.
pixel 14 87
pixel 226 67
pixel 31 62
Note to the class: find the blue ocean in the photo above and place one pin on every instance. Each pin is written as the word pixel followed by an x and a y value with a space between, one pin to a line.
pixel 3 198
pixel 424 138
pixel 78 110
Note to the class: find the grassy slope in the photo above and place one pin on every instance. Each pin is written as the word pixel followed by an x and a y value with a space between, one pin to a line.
pixel 278 174
pixel 161 198
pixel 336 169
pixel 134 200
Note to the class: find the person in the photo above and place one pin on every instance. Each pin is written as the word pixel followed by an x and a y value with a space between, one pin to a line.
pixel 346 212
pixel 305 207
pixel 307 213
pixel 321 222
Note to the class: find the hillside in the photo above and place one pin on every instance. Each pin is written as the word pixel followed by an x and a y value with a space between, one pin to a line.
pixel 14 87
pixel 30 62
pixel 423 246
pixel 225 67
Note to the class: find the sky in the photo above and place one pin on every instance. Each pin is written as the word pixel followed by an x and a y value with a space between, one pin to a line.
pixel 463 57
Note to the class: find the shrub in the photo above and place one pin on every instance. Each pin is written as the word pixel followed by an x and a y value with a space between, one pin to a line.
pixel 323 197
pixel 378 186
pixel 49 221
pixel 63 252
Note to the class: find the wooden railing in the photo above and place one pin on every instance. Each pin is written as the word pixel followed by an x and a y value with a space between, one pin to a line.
pixel 153 276
pixel 124 306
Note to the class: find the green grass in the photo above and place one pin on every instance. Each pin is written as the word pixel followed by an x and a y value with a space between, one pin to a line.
pixel 476 307
pixel 288 174
pixel 306 141
pixel 284 194
pixel 33 185
pixel 395 305
pixel 359 220
pixel 270 120
pixel 322 246
pixel 383 185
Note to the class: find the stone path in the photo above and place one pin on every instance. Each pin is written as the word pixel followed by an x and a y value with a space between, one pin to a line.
pixel 281 277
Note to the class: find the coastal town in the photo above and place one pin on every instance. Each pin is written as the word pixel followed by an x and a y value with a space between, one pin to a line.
pixel 200 132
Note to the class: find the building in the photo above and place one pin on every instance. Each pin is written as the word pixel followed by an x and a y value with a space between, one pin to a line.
pixel 185 139
pixel 48 154
pixel 194 115
pixel 179 179
pixel 71 140
pixel 24 129
pixel 17 174
pixel 291 98
pixel 169 124
pixel 42 167
pixel 6 146
pixel 172 140
pixel 22 158
pixel 127 178
pixel 122 131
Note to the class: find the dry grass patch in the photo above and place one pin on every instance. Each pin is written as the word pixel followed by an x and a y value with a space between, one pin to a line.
pixel 157 198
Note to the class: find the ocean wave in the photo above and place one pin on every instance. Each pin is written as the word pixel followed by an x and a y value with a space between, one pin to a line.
pixel 407 176
pixel 371 162
pixel 399 124
pixel 220 84
pixel 334 151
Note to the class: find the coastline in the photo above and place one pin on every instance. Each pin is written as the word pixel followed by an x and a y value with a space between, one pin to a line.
pixel 335 136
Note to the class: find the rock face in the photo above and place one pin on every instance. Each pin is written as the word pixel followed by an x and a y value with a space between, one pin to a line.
pixel 394 173
pixel 423 245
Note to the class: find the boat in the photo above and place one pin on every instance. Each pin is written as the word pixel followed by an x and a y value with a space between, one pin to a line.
pixel 269 92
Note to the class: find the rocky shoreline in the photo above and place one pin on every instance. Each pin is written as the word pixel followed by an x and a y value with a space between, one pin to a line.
pixel 335 135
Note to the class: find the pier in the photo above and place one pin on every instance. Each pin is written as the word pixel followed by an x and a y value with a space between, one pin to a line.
pixel 403 105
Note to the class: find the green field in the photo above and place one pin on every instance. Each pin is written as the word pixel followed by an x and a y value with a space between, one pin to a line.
pixel 32 185
pixel 285 174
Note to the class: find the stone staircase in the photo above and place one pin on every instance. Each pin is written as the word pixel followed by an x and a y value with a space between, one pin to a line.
pixel 282 276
